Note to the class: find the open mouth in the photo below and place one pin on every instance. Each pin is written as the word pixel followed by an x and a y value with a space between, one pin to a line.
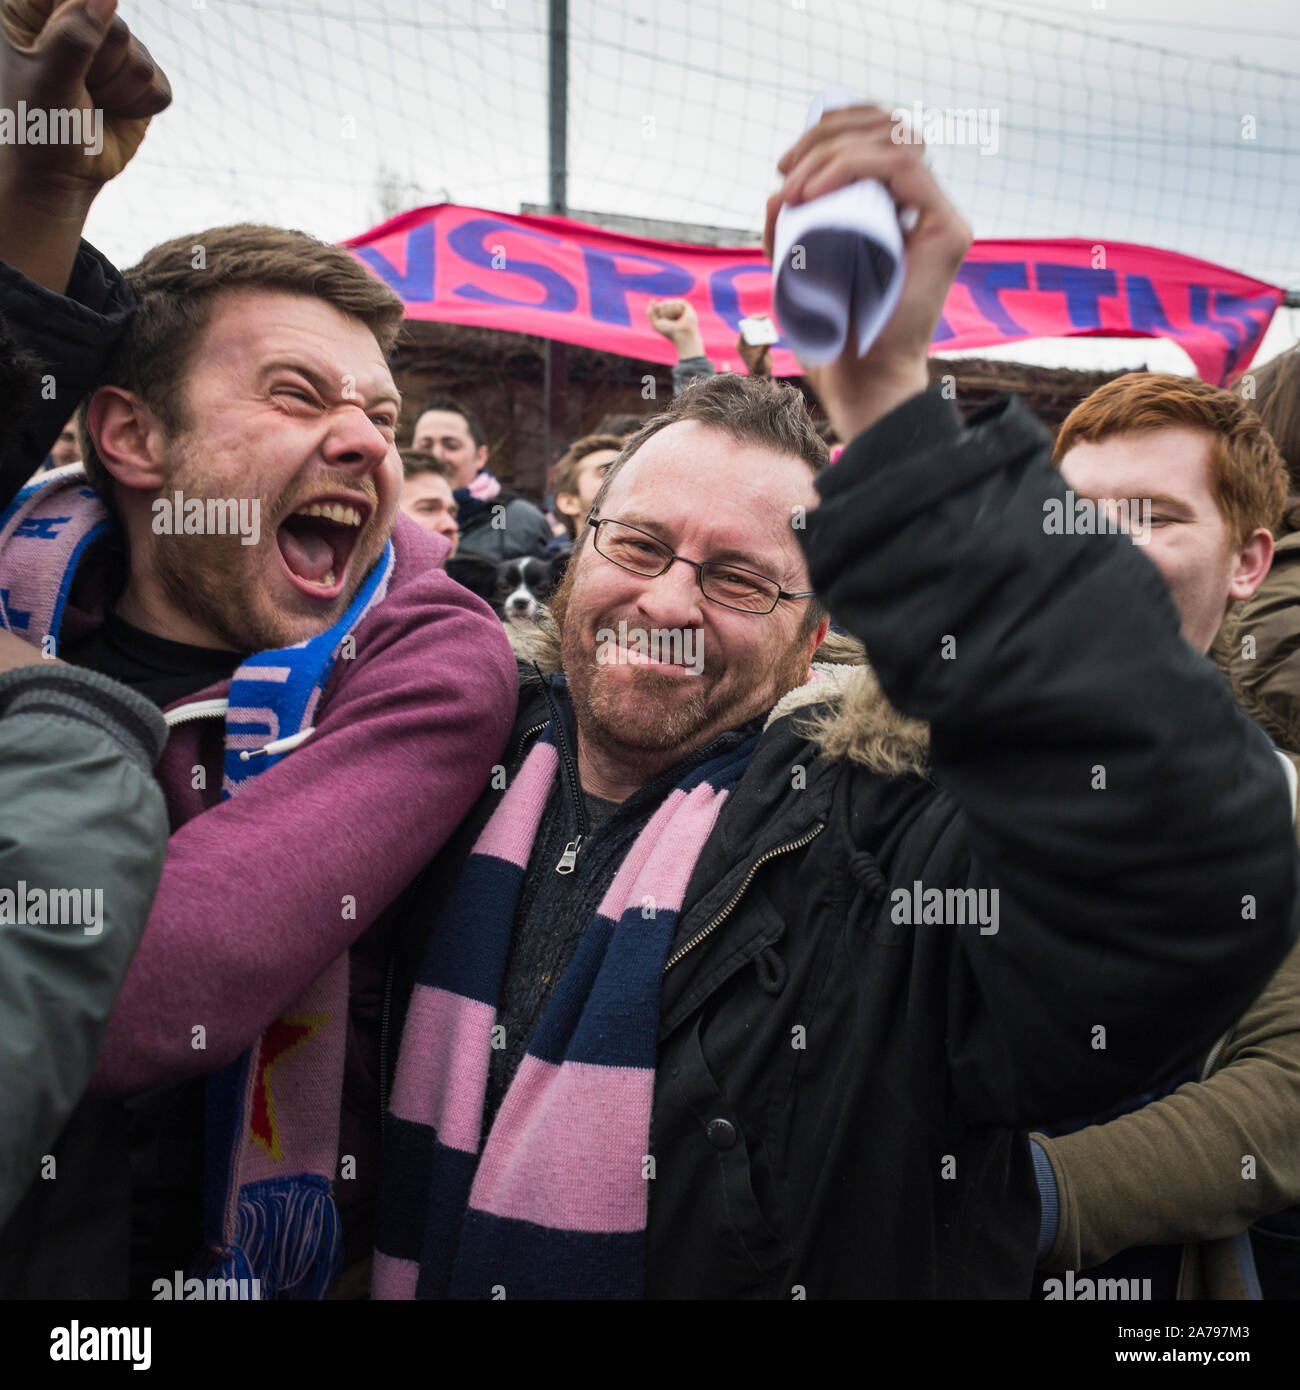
pixel 317 542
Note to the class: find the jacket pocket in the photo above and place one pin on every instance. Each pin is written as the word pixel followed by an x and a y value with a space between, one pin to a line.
pixel 726 1151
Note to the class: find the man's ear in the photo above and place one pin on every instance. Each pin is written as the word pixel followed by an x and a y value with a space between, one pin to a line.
pixel 480 457
pixel 569 503
pixel 819 635
pixel 1253 560
pixel 128 438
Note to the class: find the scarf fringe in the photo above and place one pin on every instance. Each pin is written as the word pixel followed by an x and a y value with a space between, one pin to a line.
pixel 288 1236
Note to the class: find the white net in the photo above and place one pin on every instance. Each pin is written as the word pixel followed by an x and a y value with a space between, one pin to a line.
pixel 332 114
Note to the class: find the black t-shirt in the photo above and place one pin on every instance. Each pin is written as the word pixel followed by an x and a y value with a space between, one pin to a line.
pixel 161 670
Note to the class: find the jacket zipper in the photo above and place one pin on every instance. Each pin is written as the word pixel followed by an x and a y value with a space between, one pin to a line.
pixel 1213 1057
pixel 726 912
pixel 383 1038
pixel 525 736
pixel 570 856
pixel 197 709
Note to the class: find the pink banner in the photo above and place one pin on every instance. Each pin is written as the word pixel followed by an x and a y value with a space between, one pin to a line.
pixel 580 284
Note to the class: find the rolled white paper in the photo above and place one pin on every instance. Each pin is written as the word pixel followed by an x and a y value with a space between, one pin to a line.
pixel 845 283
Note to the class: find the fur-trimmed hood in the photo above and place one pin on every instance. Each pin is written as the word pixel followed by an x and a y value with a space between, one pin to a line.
pixel 844 710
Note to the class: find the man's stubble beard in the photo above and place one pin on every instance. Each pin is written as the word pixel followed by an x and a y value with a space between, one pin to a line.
pixel 202 578
pixel 214 580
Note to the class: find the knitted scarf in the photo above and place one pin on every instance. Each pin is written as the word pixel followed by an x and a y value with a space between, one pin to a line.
pixel 483 487
pixel 552 1202
pixel 271 1136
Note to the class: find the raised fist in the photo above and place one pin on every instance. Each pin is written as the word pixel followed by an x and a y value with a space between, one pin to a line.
pixel 76 57
pixel 673 318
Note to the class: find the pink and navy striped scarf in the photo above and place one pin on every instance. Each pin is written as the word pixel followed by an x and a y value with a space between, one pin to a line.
pixel 552 1201
pixel 483 487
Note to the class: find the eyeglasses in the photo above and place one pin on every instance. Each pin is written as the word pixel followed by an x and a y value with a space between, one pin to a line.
pixel 642 553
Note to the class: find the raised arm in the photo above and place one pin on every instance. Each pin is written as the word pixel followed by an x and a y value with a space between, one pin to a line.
pixel 79 56
pixel 1135 825
pixel 676 320
pixel 62 304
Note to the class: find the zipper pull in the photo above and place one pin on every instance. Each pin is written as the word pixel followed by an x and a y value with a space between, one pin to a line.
pixel 570 857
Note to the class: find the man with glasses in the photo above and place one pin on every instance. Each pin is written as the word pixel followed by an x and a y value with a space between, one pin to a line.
pixel 741 981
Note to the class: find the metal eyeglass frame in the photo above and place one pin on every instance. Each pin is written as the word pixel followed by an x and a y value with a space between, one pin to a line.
pixel 699 566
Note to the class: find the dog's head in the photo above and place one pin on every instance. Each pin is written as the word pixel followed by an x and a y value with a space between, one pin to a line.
pixel 523 586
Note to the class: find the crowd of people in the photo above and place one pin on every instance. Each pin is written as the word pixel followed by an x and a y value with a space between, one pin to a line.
pixel 869 878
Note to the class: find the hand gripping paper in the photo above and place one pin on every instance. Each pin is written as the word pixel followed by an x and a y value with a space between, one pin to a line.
pixel 838 262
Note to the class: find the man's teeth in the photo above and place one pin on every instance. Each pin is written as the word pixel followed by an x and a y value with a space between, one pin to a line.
pixel 332 511
pixel 327 583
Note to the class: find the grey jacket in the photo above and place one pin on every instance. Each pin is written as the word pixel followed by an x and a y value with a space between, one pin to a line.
pixel 83 832
pixel 508 528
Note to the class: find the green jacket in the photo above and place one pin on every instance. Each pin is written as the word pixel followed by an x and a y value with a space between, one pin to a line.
pixel 1258 646
pixel 83 832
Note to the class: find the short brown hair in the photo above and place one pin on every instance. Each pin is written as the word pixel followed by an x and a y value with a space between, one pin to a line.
pixel 175 297
pixel 1247 475
pixel 451 406
pixel 417 461
pixel 752 410
pixel 621 423
pixel 1275 388
pixel 564 476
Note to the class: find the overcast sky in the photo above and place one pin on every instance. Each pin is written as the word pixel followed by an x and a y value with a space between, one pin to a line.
pixel 1166 123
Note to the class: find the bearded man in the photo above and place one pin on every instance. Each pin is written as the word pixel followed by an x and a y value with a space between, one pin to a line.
pixel 742 982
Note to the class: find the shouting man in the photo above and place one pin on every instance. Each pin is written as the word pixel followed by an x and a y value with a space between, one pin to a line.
pixel 335 702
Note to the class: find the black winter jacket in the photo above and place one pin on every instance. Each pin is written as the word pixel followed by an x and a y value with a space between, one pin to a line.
pixel 841 1094
pixel 520 529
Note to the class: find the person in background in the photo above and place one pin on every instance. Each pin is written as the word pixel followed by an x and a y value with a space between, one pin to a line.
pixel 495 522
pixel 676 320
pixel 427 496
pixel 1167 1190
pixel 577 477
pixel 1259 643
pixel 757 357
pixel 621 423
pixel 65 449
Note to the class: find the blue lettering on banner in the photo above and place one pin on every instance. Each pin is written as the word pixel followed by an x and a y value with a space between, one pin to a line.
pixel 467 242
pixel 416 286
pixel 1239 331
pixel 609 286
pixel 1241 310
pixel 1082 286
pixel 986 280
pixel 1145 312
pixel 726 300
pixel 1228 329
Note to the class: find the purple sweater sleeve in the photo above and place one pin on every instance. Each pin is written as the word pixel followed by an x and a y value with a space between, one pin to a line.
pixel 261 892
